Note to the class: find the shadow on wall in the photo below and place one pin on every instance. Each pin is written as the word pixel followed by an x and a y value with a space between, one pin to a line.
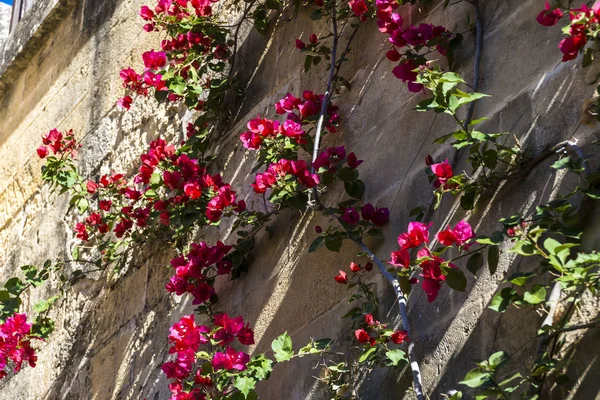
pixel 77 22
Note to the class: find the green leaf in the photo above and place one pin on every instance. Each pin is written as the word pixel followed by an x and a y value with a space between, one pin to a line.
pixel 14 285
pixel 316 15
pixel 502 299
pixel 520 278
pixel 42 327
pixel 244 384
pixel 333 243
pixel 523 248
pixel 493 259
pixel 307 63
pixel 475 378
pixel 496 239
pixel 395 357
pixel 366 354
pixel 355 189
pixel 588 58
pixel 316 244
pixel 467 200
pixel 474 263
pixel 352 312
pixel 456 279
pixel 497 359
pixel 282 347
pixel 348 174
pixel 536 295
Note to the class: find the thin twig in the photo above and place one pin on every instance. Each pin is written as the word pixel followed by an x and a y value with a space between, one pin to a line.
pixel 402 307
pixel 477 63
pixel 235 38
pixel 590 325
pixel 314 202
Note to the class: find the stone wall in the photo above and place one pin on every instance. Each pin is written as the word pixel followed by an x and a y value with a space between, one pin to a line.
pixel 5 11
pixel 60 69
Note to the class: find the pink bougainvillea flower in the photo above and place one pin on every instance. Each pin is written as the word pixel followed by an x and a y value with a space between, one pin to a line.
pixel 353 162
pixel 370 321
pixel 463 232
pixel 418 36
pixel 570 46
pixel 185 334
pixel 399 337
pixel 146 13
pixel 91 187
pixel 246 335
pixel 230 327
pixel 400 258
pixel 405 72
pixel 443 172
pixel 229 360
pixel 417 234
pixel 460 235
pixel 393 55
pixel 358 7
pixel 81 231
pixel 381 217
pixel 549 17
pixel 125 102
pixel 432 273
pixel 154 59
pixel 350 216
pixel 362 336
pixel 287 105
pixel 341 278
pixel 367 212
pixel 42 152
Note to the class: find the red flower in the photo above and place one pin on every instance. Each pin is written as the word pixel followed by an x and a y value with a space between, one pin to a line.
pixel 105 205
pixel 369 266
pixel 350 216
pixel 400 258
pixel 82 233
pixel 354 267
pixel 313 39
pixel 300 44
pixel 418 233
pixel 362 336
pixel 460 235
pixel 549 17
pixel 393 55
pixel 405 72
pixel 341 278
pixel 399 337
pixel 353 162
pixel 369 320
pixel 443 172
pixel 91 187
pixel 125 102
pixel 154 59
pixel 230 327
pixel 146 13
pixel 571 46
pixel 42 151
pixel 358 7
pixel 231 359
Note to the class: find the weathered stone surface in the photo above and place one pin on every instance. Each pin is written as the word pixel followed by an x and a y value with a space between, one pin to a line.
pixel 60 69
